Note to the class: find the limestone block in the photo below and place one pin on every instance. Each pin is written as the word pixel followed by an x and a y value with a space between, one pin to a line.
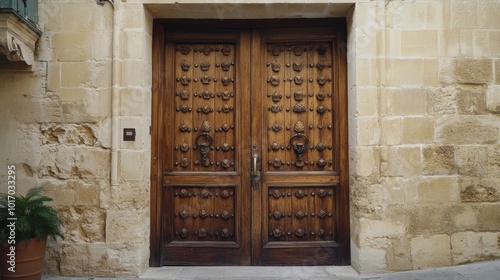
pixel 464 14
pixel 76 112
pixel 473 71
pixel 393 42
pixel 488 16
pixel 373 229
pixel 368 131
pixel 36 111
pixel 402 161
pixel 472 160
pixel 402 101
pixel 488 217
pixel 494 160
pixel 134 101
pixel 86 194
pixel 471 100
pixel 53 76
pixel 127 261
pixel 72 46
pixel 367 159
pixel 493 96
pixel 366 101
pixel 74 259
pixel 49 16
pixel 480 190
pixel 102 44
pixel 369 75
pixel 366 260
pixel 465 218
pixel 83 224
pixel 497 71
pixel 432 251
pixel 367 199
pixel 466 130
pixel 73 94
pixel 391 130
pixel 76 74
pixel 132 165
pixel 439 160
pixel 399 254
pixel 89 22
pixel 118 225
pixel 68 134
pixel 470 246
pixel 133 45
pixel 99 102
pixel 61 195
pixel 419 43
pixel 130 70
pixel 442 101
pixel 130 195
pixel 438 190
pixel 430 219
pixel 92 163
pixel 418 130
pixel 101 74
pixel 394 188
pixel 450 42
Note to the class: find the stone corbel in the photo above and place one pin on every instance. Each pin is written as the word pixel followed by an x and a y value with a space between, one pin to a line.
pixel 17 41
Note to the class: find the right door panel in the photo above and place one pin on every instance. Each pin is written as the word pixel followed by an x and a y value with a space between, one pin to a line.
pixel 301 113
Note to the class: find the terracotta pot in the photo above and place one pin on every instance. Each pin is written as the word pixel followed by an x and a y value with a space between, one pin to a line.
pixel 29 257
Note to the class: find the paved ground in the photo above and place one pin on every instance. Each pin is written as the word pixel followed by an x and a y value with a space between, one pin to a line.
pixel 489 270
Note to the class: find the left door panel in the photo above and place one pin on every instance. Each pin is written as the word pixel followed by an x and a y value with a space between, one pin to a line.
pixel 205 194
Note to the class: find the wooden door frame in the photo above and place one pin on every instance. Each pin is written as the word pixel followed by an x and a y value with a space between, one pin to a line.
pixel 158 87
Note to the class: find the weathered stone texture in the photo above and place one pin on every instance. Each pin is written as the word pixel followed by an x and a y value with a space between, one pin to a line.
pixel 401 161
pixel 438 190
pixel 475 245
pixel 480 190
pixel 473 71
pixel 431 251
pixel 439 160
pixel 472 160
pixel 493 97
pixel 471 100
pixel 467 130
pixel 442 101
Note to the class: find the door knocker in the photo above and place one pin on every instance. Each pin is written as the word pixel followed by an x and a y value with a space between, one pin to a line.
pixel 299 142
pixel 205 144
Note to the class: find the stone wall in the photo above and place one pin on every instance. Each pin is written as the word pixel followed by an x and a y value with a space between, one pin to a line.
pixel 424 126
pixel 425 130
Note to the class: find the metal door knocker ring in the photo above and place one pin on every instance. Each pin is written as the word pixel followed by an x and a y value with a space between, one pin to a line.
pixel 299 143
pixel 205 145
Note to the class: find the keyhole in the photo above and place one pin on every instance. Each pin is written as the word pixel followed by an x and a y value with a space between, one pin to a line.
pixel 255 147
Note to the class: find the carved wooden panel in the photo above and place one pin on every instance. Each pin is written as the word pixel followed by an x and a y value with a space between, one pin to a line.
pixel 203 213
pixel 301 214
pixel 298 108
pixel 204 118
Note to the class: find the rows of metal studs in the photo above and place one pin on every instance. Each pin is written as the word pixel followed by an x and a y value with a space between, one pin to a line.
pixel 297 108
pixel 274 80
pixel 225 147
pixel 300 193
pixel 204 79
pixel 206 109
pixel 202 233
pixel 298 232
pixel 203 214
pixel 224 128
pixel 185 162
pixel 206 94
pixel 185 50
pixel 299 214
pixel 183 193
pixel 277 162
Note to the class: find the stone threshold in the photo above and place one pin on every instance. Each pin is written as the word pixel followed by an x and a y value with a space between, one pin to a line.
pixel 251 272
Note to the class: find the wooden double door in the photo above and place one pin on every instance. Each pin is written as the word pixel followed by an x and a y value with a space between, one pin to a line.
pixel 249 147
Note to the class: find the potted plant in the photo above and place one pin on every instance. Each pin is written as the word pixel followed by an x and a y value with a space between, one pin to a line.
pixel 25 224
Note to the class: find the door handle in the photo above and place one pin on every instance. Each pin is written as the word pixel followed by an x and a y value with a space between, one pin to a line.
pixel 255 171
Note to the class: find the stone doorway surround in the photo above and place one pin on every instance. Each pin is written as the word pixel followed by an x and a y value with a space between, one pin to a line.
pixel 252 11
